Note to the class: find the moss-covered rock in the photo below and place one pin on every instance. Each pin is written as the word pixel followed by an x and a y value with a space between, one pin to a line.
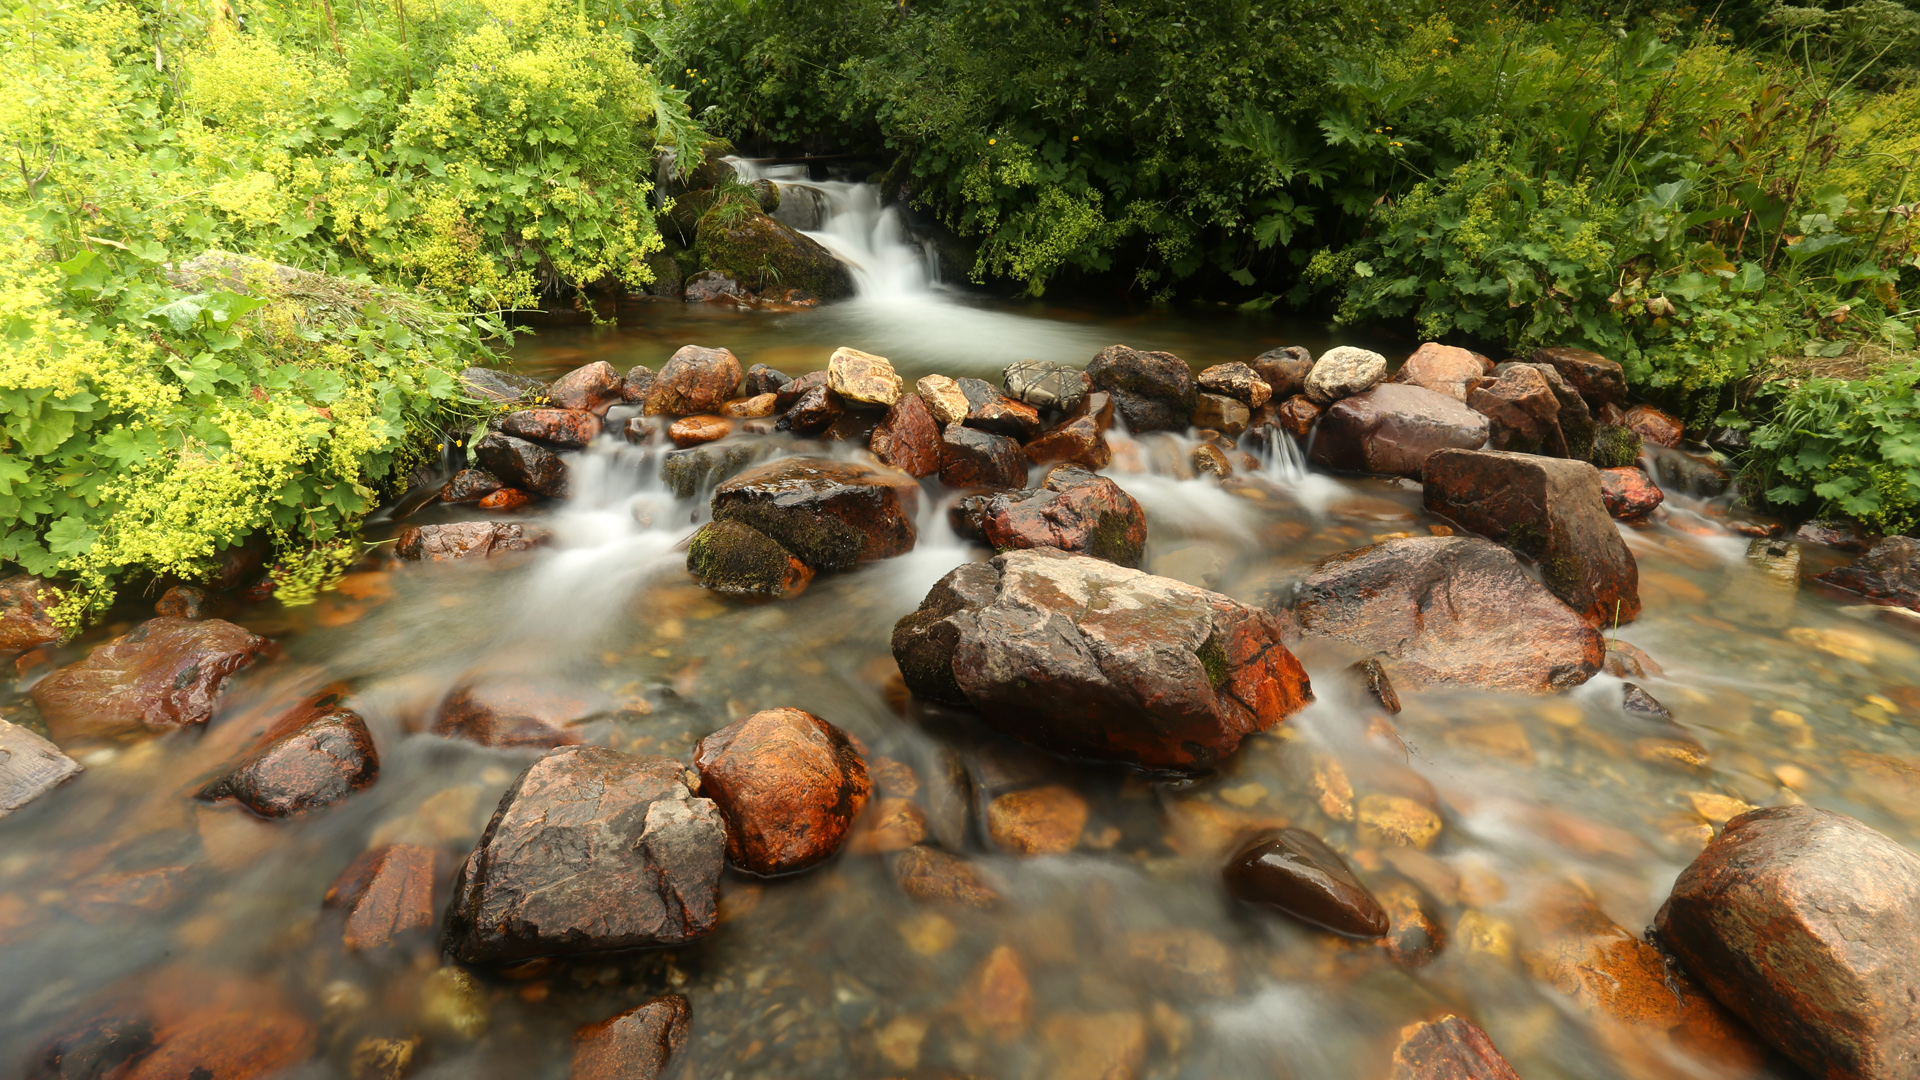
pixel 1615 446
pixel 739 560
pixel 762 254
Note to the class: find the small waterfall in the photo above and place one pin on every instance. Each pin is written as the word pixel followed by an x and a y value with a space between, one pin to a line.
pixel 848 220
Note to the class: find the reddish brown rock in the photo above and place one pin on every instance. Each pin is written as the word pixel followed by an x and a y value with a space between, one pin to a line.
pixel 1037 821
pixel 1237 381
pixel 834 515
pixel 970 458
pixel 1297 415
pixel 513 712
pixel 1078 440
pixel 94 1049
pixel 387 893
pixel 694 430
pixel 1223 414
pixel 1449 609
pixel 26 622
pixel 1548 510
pixel 1073 510
pixel 465 540
pixel 1630 494
pixel 1294 871
pixel 638 1044
pixel 1524 412
pixel 936 877
pixel 573 428
pixel 694 380
pixel 1285 370
pixel 506 500
pixel 164 673
pixel 1157 673
pixel 591 387
pixel 1654 426
pixel 997 999
pixel 1597 379
pixel 470 485
pixel 1188 961
pixel 908 439
pixel 590 850
pixel 814 412
pixel 316 755
pixel 789 785
pixel 1887 574
pixel 1153 391
pixel 1094 1046
pixel 891 824
pixel 636 385
pixel 521 463
pixel 990 410
pixel 1806 924
pixel 1444 369
pixel 183 602
pixel 1392 428
pixel 1450 1048
pixel 226 1044
pixel 751 408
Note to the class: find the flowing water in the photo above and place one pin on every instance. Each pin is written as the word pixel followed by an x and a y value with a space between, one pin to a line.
pixel 121 887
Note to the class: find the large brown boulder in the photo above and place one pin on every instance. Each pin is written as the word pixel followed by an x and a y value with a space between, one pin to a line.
pixel 1597 379
pixel 1524 411
pixel 1887 574
pixel 164 673
pixel 909 438
pixel 26 620
pixel 1073 510
pixel 1806 923
pixel 1392 428
pixel 591 850
pixel 789 785
pixel 638 1044
pixel 1444 369
pixel 523 464
pixel 695 381
pixel 458 540
pixel 1083 657
pixel 1449 609
pixel 834 515
pixel 769 256
pixel 572 428
pixel 1152 390
pixel 970 458
pixel 590 387
pixel 316 755
pixel 1549 510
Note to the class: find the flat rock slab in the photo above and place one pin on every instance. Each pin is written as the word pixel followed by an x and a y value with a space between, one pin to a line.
pixel 833 515
pixel 30 766
pixel 590 850
pixel 1391 430
pixel 164 673
pixel 1450 609
pixel 387 893
pixel 789 785
pixel 1082 657
pixel 1806 923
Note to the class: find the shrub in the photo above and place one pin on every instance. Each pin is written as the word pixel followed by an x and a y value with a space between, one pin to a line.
pixel 1843 447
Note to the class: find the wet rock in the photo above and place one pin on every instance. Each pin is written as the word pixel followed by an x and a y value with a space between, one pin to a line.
pixel 313 757
pixel 1629 493
pixel 1888 574
pixel 944 398
pixel 1037 821
pixel 1444 369
pixel 1641 703
pixel 1548 510
pixel 789 785
pixel 1222 414
pixel 218 1044
pixel 936 877
pixel 183 602
pixel 523 464
pixel 1074 510
pixel 506 500
pixel 855 426
pixel 470 485
pixel 1615 446
pixel 814 412
pixel 762 253
pixel 1153 391
pixel 695 430
pixel 1236 381
pixel 26 622
pixel 1284 370
pixel 95 1049
pixel 638 1044
pixel 990 410
pixel 453 1004
pixel 1391 429
pixel 891 824
pixel 762 379
pixel 1396 821
pixel 1450 1048
pixel 1046 384
pixel 1297 415
pixel 592 387
pixel 970 458
pixel 1597 379
pixel 1654 426
pixel 1628 661
pixel 502 387
pixel 637 384
pixel 834 515
pixel 465 540
pixel 1342 372
pixel 710 286
pixel 1208 459
pixel 909 438
pixel 30 766
pixel 739 560
pixel 1186 962
pixel 1371 677
pixel 387 893
pixel 164 673
pixel 1077 441
pixel 694 380
pixel 687 472
pixel 375 1058
pixel 1449 609
pixel 1804 922
pixel 863 377
pixel 590 850
pixel 1524 413
pixel 1095 1046
pixel 1294 871
pixel 1157 672
pixel 751 408
pixel 997 999
pixel 511 712
pixel 1575 419
pixel 572 428
pixel 1415 935
pixel 1834 534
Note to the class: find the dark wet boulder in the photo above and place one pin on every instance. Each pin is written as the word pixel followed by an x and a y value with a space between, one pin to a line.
pixel 1655 426
pixel 687 472
pixel 1296 416
pixel 1046 384
pixel 1629 493
pixel 1284 370
pixel 1443 369
pixel 387 893
pixel 1550 511
pixel 1449 609
pixel 739 560
pixel 970 458
pixel 1237 381
pixel 990 410
pixel 571 428
pixel 834 515
pixel 1887 574
pixel 30 766
pixel 590 850
pixel 762 379
pixel 766 255
pixel 1698 475
pixel 1524 414
pixel 1597 379
pixel 95 1048
pixel 695 380
pixel 863 378
pixel 638 1044
pixel 1153 391
pixel 1078 440
pixel 163 674
pixel 1840 535
pixel 470 485
pixel 523 464
pixel 1296 872
pixel 1217 412
pixel 183 602
pixel 789 786
pixel 799 386
pixel 814 412
pixel 1082 657
pixel 1806 924
pixel 313 757
pixel 1344 371
pixel 1073 510
pixel 508 711
pixel 591 387
pixel 908 438
pixel 26 607
pixel 1450 1048
pixel 502 387
pixel 1392 428
pixel 637 383
pixel 462 540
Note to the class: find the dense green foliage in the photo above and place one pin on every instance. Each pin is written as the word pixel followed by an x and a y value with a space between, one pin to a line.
pixel 1844 448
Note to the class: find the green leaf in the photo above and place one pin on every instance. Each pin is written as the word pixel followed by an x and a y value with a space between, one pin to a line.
pixel 71 535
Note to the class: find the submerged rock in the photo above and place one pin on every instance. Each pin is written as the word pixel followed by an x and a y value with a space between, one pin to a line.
pixel 1629 493
pixel 934 876
pixel 30 766
pixel 26 620
pixel 739 560
pixel 1450 609
pixel 592 387
pixel 572 428
pixel 590 850
pixel 1444 369
pixel 1082 657
pixel 314 756
pixel 789 785
pixel 1296 872
pixel 94 1049
pixel 694 381
pixel 1046 384
pixel 164 673
pixel 512 712
pixel 1344 371
pixel 388 893
pixel 970 458
pixel 1887 574
pixel 1153 391
pixel 1450 1048
pixel 460 540
pixel 523 464
pixel 240 1042
pixel 909 438
pixel 834 515
pixel 1046 820
pixel 1073 510
pixel 638 1044
pixel 1806 924
pixel 1392 429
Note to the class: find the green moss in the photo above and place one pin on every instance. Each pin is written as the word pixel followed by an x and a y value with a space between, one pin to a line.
pixel 1527 538
pixel 762 254
pixel 1112 540
pixel 1615 446
pixel 731 558
pixel 1213 657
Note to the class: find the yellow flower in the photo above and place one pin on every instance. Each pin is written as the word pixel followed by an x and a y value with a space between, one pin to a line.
pixel 1076 138
pixel 990 142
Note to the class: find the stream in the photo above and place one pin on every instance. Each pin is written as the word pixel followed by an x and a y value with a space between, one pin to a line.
pixel 1555 812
